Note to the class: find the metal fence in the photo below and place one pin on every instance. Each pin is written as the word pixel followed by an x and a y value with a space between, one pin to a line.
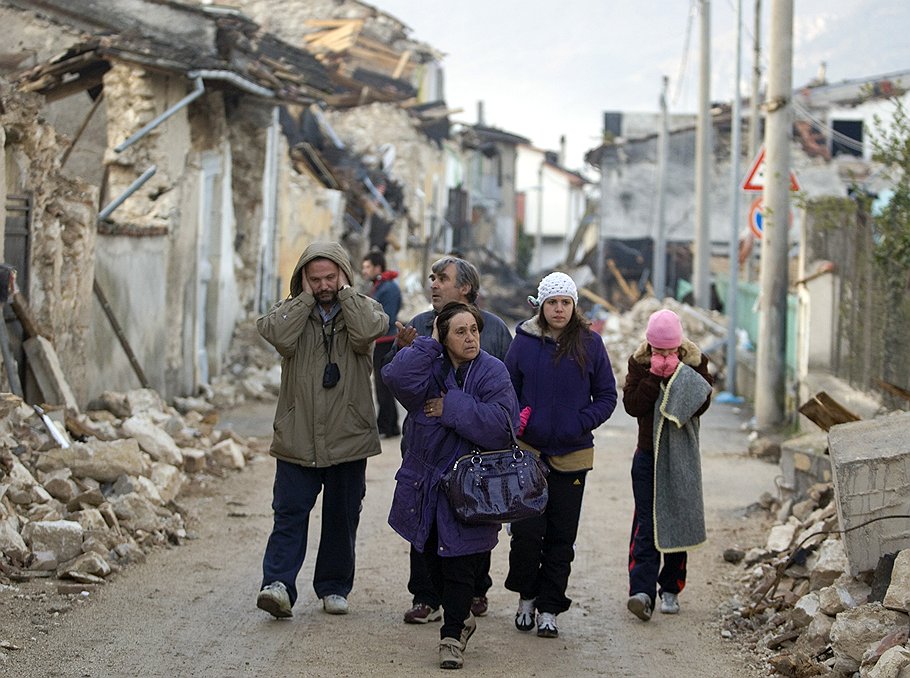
pixel 871 342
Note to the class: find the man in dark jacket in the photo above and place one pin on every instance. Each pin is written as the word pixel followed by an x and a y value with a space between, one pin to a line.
pixel 325 425
pixel 385 290
pixel 451 279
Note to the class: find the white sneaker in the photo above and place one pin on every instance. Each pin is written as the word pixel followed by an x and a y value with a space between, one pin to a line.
pixel 335 604
pixel 669 603
pixel 275 600
pixel 524 618
pixel 546 625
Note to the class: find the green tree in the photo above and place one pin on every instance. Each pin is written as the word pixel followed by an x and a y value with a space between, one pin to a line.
pixel 891 148
pixel 891 247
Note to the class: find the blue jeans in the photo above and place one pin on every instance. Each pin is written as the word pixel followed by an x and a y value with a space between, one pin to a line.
pixel 293 497
pixel 645 571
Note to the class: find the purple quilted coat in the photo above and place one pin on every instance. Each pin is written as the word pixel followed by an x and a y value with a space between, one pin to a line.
pixel 474 417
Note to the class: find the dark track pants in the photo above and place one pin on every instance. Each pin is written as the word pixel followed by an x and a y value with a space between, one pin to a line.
pixel 645 571
pixel 420 583
pixel 543 548
pixel 453 580
pixel 294 495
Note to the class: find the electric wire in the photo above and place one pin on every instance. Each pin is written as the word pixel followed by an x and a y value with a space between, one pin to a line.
pixel 797 550
pixel 822 126
pixel 685 55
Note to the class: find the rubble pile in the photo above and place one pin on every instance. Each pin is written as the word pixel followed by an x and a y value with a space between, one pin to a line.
pixel 622 334
pixel 252 371
pixel 803 612
pixel 81 510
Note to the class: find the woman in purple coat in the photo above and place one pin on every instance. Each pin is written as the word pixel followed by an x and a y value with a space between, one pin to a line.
pixel 566 389
pixel 458 398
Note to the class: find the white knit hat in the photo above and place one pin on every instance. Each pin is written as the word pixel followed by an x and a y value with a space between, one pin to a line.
pixel 555 284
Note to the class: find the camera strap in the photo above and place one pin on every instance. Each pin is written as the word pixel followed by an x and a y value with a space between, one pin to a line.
pixel 327 341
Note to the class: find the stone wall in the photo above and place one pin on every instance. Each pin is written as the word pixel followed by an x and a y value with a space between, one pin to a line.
pixel 62 230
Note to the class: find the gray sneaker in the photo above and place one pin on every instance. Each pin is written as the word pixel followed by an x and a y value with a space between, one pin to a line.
pixel 335 604
pixel 275 600
pixel 451 653
pixel 640 606
pixel 669 603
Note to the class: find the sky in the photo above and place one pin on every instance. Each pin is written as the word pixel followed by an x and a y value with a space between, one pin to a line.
pixel 547 68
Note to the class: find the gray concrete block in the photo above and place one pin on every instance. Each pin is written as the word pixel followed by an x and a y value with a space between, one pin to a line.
pixel 804 461
pixel 871 461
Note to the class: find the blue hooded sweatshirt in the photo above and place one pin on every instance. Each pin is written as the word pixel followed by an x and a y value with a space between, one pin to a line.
pixel 566 403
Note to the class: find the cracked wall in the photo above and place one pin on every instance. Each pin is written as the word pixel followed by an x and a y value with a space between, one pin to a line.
pixel 62 233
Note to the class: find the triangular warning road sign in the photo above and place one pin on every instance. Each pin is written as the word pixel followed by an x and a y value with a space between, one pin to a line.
pixel 755 178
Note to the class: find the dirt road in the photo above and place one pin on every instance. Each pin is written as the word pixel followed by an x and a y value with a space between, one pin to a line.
pixel 190 611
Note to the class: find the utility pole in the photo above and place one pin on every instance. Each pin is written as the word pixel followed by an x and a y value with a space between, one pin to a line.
pixel 700 278
pixel 735 222
pixel 754 119
pixel 770 386
pixel 538 236
pixel 602 222
pixel 659 261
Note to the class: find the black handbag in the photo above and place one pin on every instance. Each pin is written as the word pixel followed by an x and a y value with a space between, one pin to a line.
pixel 498 486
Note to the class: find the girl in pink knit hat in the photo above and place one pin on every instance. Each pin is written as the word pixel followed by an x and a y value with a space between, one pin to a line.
pixel 667 389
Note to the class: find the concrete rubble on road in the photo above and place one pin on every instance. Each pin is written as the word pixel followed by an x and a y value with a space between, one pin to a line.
pixel 814 605
pixel 83 512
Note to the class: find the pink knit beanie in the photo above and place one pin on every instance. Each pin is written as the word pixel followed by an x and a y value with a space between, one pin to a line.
pixel 664 329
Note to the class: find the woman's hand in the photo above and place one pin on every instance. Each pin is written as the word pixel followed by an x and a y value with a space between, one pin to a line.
pixel 435 334
pixel 433 407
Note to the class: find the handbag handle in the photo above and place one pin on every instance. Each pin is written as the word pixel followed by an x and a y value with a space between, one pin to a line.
pixel 511 428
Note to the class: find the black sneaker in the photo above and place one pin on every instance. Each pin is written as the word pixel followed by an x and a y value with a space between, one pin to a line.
pixel 479 606
pixel 421 613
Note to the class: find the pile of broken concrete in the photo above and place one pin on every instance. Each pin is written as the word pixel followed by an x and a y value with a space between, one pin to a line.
pixel 81 500
pixel 801 609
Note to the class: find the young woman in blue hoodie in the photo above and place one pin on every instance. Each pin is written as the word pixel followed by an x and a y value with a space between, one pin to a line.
pixel 566 389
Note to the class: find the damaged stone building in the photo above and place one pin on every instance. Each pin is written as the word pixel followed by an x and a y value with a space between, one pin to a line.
pixel 166 163
pixel 173 112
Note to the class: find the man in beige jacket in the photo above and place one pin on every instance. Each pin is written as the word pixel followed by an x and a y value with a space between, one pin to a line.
pixel 325 425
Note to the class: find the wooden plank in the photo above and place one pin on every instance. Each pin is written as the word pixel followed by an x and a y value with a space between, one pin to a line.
pixel 45 365
pixel 29 324
pixel 825 412
pixel 597 299
pixel 121 337
pixel 894 390
pixel 624 285
pixel 330 23
pixel 335 39
pixel 402 62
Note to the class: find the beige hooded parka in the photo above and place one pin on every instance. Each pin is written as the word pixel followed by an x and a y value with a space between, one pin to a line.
pixel 316 426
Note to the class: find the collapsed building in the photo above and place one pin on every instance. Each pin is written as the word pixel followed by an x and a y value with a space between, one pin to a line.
pixel 166 163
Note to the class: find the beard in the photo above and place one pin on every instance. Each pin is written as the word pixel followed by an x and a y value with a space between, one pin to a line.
pixel 327 296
